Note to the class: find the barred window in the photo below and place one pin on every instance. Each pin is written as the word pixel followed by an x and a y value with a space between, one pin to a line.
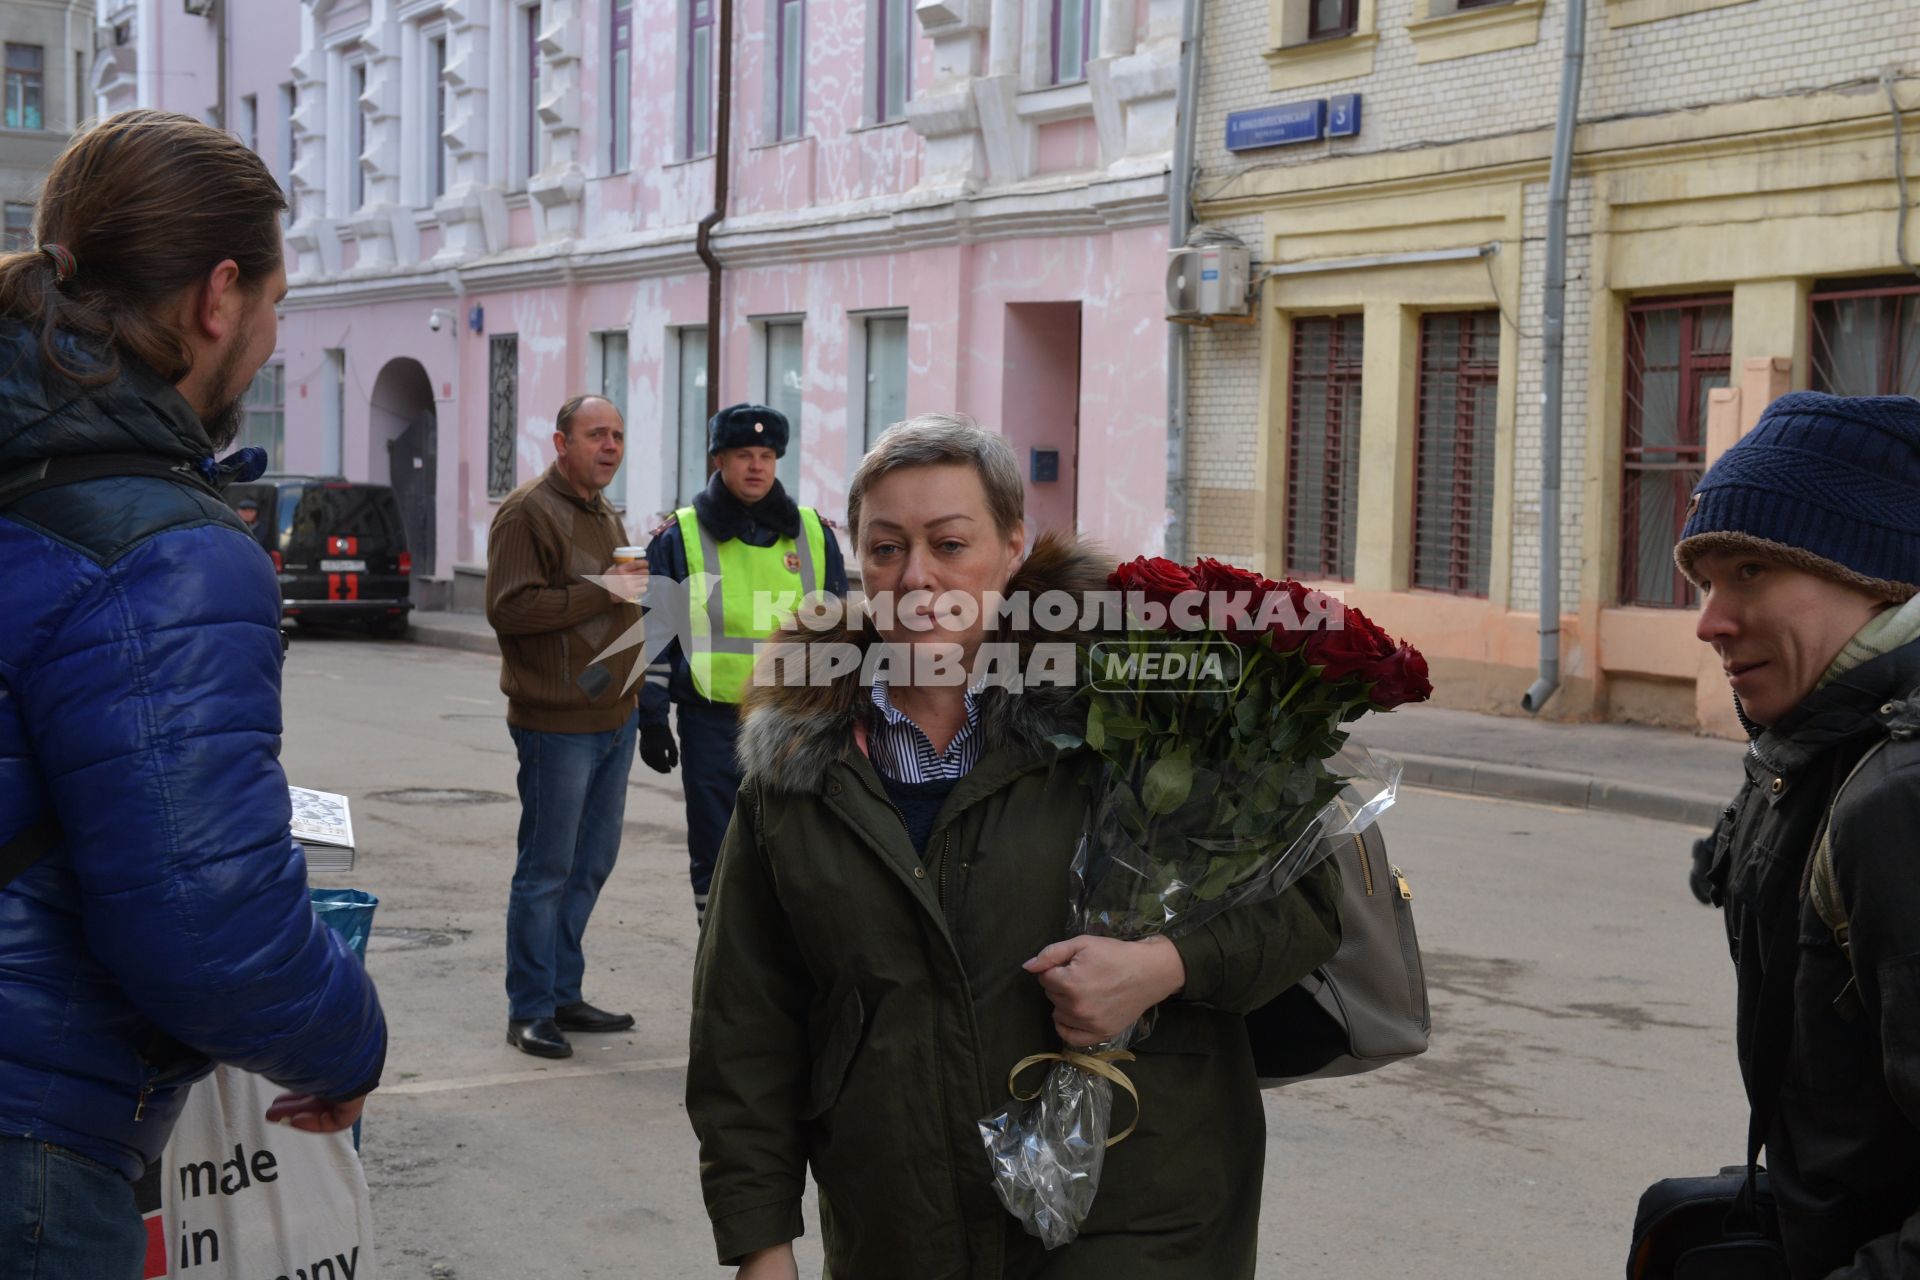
pixel 503 413
pixel 1453 486
pixel 1866 338
pixel 1323 446
pixel 1677 352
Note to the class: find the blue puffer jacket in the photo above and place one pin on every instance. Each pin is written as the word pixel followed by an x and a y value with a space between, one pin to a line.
pixel 140 702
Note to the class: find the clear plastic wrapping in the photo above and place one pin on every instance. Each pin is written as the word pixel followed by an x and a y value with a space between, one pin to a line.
pixel 1164 862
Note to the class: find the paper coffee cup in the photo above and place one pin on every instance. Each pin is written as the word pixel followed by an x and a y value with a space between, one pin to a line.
pixel 627 555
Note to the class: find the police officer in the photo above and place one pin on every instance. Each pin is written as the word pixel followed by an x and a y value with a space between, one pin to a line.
pixel 744 529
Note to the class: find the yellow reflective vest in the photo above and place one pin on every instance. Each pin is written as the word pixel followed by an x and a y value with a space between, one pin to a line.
pixel 758 585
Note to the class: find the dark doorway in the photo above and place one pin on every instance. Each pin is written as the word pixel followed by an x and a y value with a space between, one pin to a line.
pixel 404 434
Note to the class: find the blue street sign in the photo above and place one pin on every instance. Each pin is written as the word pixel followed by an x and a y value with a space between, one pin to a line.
pixel 1343 116
pixel 1277 126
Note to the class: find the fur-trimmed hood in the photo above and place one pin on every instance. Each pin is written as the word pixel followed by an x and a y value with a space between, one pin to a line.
pixel 790 733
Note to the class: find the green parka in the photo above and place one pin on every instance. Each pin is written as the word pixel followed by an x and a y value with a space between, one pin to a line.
pixel 857 1009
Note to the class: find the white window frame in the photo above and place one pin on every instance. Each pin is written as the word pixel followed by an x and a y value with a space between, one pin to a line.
pixel 523 164
pixel 775 82
pixel 342 107
pixel 857 384
pixel 788 470
pixel 418 110
pixel 876 54
pixel 618 487
pixel 671 411
pixel 610 87
pixel 683 81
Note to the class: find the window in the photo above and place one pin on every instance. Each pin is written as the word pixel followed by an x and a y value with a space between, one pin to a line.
pixel 692 387
pixel 1676 353
pixel 535 161
pixel 1076 30
pixel 1453 484
pixel 1866 338
pixel 1477 4
pixel 250 122
pixel 25 89
pixel 886 378
pixel 786 383
pixel 263 416
pixel 333 409
pixel 1331 19
pixel 620 100
pixel 503 413
pixel 610 355
pixel 19 230
pixel 289 146
pixel 790 98
pixel 358 107
pixel 437 116
pixel 893 65
pixel 1323 446
pixel 697 127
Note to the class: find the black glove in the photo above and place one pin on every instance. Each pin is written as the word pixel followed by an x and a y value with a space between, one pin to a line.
pixel 657 749
pixel 1700 879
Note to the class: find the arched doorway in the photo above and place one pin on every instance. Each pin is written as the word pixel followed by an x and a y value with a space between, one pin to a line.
pixel 402 444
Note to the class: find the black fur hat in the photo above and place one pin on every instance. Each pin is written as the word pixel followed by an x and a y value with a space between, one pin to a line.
pixel 741 425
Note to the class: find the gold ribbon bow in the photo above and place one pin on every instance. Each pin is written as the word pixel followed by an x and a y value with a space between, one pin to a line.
pixel 1099 1064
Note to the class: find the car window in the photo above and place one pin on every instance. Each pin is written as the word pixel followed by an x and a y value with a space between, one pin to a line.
pixel 362 511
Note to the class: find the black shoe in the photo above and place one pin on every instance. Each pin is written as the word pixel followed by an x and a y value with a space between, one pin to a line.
pixel 584 1017
pixel 539 1037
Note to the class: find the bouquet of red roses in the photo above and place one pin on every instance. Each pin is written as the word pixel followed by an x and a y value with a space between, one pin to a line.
pixel 1214 717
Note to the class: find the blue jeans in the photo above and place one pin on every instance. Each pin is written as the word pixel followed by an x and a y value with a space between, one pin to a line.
pixel 573 797
pixel 65 1217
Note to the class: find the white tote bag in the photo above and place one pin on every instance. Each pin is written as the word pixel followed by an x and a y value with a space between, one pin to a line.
pixel 242 1199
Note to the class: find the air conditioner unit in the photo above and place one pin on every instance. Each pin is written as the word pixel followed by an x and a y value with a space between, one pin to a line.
pixel 1208 281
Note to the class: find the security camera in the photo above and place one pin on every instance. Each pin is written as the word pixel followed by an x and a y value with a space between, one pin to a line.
pixel 438 317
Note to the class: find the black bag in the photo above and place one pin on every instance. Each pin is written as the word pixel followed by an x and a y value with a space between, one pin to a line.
pixel 1700 1229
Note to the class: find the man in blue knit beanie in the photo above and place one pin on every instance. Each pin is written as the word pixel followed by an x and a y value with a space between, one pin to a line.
pixel 1804 540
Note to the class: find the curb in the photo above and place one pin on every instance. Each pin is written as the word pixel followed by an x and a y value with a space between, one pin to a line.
pixel 1443 773
pixel 1568 790
pixel 444 637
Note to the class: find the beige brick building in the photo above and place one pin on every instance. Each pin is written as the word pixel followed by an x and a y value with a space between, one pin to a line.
pixel 1732 234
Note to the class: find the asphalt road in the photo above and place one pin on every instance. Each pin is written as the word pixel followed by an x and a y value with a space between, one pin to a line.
pixel 1582 1009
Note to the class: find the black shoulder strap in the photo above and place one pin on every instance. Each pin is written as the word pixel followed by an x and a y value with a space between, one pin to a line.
pixel 52 473
pixel 21 852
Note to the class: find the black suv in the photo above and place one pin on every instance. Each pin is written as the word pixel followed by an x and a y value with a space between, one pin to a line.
pixel 339 547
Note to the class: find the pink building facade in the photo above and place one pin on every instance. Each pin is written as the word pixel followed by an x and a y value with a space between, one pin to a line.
pixel 935 205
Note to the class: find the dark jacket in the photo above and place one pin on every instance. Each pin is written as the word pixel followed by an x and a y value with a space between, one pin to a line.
pixel 140 704
pixel 669 679
pixel 1844 1148
pixel 857 1010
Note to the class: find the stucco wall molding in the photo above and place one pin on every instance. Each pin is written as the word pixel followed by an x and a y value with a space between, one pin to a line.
pixel 1464 33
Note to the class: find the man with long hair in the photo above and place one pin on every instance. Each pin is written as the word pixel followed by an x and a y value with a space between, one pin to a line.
pixel 154 916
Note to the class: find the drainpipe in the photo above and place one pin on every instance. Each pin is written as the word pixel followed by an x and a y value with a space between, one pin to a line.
pixel 1179 223
pixel 1553 358
pixel 220 60
pixel 703 241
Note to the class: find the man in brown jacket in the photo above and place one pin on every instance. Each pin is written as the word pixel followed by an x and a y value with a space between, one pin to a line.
pixel 570 711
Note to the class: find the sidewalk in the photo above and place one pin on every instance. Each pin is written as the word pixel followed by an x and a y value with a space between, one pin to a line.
pixel 1650 773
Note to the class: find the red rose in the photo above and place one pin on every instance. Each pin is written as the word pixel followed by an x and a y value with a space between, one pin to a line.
pixel 1307 613
pixel 1400 678
pixel 1351 644
pixel 1158 579
pixel 1231 589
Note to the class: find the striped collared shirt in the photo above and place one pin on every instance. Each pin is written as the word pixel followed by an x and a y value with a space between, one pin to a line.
pixel 901 752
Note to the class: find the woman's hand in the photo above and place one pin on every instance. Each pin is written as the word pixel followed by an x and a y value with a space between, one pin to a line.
pixel 315 1115
pixel 775 1263
pixel 1101 986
